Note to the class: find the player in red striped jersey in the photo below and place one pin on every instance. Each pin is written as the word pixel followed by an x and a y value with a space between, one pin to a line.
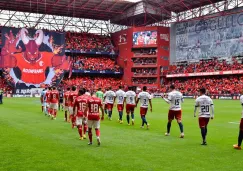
pixel 72 96
pixel 54 99
pixel 48 96
pixel 66 96
pixel 94 106
pixel 80 106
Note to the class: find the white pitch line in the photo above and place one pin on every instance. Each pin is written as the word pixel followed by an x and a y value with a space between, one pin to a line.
pixel 234 122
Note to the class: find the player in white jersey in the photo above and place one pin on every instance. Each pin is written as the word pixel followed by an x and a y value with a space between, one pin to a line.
pixel 204 103
pixel 240 137
pixel 44 98
pixel 175 98
pixel 120 94
pixel 145 99
pixel 130 100
pixel 109 98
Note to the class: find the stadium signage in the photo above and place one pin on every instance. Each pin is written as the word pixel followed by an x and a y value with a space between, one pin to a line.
pixel 96 72
pixel 205 73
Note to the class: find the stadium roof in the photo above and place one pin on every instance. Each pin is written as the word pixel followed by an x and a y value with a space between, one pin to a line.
pixel 124 12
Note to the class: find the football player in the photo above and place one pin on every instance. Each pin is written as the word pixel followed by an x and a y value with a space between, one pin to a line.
pixel 175 98
pixel 204 103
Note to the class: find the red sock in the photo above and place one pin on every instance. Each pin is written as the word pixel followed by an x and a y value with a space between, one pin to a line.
pixel 73 121
pixel 51 111
pixel 55 112
pixel 85 128
pixel 90 135
pixel 97 132
pixel 66 116
pixel 80 130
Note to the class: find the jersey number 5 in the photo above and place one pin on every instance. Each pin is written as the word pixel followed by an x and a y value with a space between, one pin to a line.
pixel 177 102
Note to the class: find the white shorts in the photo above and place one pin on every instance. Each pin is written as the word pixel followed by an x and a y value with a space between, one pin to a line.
pixel 47 105
pixel 70 109
pixel 54 106
pixel 94 124
pixel 79 120
pixel 65 108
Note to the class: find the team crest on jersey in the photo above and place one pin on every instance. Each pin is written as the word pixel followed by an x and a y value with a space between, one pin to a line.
pixel 41 63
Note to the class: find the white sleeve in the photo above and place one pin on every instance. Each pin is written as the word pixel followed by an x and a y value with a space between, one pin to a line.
pixel 169 97
pixel 149 96
pixel 197 103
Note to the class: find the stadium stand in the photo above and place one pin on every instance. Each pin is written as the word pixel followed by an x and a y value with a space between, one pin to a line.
pixel 86 42
pixel 207 66
pixel 92 83
pixel 145 71
pixel 95 63
pixel 224 85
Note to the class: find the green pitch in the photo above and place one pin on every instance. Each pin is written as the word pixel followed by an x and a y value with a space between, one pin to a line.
pixel 31 141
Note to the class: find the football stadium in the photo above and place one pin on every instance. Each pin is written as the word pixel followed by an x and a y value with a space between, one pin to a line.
pixel 140 85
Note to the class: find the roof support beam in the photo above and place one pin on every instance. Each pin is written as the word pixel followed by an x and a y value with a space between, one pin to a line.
pixel 10 18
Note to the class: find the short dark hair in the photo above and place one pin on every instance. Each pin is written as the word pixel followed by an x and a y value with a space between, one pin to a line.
pixel 172 87
pixel 54 88
pixel 99 89
pixel 120 87
pixel 68 89
pixel 129 88
pixel 144 88
pixel 49 88
pixel 202 90
pixel 74 88
pixel 110 88
pixel 81 91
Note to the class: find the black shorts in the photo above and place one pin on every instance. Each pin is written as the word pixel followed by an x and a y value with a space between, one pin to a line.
pixel 60 100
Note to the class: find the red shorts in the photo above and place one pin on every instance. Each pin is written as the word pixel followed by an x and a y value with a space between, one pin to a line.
pixel 143 111
pixel 241 124
pixel 105 107
pixel 130 108
pixel 109 106
pixel 120 107
pixel 174 114
pixel 203 122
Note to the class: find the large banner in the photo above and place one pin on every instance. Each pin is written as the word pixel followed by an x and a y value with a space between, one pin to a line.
pixel 33 58
pixel 202 39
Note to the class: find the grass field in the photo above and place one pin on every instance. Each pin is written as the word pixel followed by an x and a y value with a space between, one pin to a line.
pixel 31 141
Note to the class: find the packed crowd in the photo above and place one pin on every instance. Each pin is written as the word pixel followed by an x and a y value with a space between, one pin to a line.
pixel 4 86
pixel 206 66
pixel 87 42
pixel 145 71
pixel 144 61
pixel 92 83
pixel 144 80
pixel 95 63
pixel 145 52
pixel 215 85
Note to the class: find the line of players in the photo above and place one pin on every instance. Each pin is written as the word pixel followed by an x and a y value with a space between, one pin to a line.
pixel 83 109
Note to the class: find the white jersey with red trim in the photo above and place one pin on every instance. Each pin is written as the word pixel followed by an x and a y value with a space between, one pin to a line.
pixel 175 98
pixel 144 99
pixel 241 101
pixel 204 103
pixel 130 97
pixel 120 94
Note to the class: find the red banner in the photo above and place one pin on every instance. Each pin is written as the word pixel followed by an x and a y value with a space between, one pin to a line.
pixel 205 74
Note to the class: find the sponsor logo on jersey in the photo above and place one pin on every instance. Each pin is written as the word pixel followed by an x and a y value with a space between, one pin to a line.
pixel 33 71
